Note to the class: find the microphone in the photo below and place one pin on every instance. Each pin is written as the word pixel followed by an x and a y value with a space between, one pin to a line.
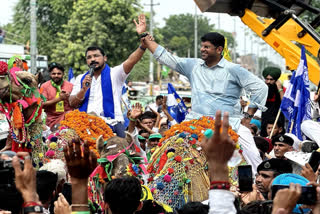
pixel 91 71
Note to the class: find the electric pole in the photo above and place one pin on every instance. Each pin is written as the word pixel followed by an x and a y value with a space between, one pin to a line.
pixel 151 57
pixel 33 35
pixel 195 33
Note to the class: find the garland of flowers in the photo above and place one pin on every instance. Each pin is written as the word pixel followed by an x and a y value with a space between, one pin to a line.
pixel 87 127
pixel 196 126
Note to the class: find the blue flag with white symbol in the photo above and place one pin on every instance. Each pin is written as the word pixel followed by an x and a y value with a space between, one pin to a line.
pixel 176 107
pixel 296 103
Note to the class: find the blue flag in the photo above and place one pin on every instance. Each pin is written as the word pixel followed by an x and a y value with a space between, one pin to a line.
pixel 296 103
pixel 176 107
pixel 125 105
pixel 71 77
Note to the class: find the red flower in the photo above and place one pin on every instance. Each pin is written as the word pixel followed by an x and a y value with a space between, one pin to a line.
pixel 191 161
pixel 178 158
pixel 170 170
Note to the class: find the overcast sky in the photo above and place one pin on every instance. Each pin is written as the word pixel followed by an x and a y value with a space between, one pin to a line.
pixel 170 7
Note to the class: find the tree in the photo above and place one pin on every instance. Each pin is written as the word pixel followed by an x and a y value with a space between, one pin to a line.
pixel 178 33
pixel 104 23
pixel 51 15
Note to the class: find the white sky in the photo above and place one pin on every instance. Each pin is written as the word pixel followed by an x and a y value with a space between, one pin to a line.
pixel 170 7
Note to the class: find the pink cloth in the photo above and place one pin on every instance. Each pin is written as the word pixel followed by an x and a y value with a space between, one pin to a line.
pixel 50 92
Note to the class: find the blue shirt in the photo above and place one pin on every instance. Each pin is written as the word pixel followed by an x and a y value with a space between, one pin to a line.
pixel 217 87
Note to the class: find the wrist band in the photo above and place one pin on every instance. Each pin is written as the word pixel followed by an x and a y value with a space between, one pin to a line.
pixel 142 48
pixel 134 120
pixel 79 205
pixel 220 185
pixel 142 35
pixel 280 90
pixel 30 204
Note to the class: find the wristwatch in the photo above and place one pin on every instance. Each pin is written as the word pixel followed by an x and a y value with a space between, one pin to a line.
pixel 143 35
pixel 34 209
pixel 247 115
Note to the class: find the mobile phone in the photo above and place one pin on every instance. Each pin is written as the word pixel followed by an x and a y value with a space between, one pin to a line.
pixel 67 192
pixel 314 160
pixel 245 178
pixel 308 195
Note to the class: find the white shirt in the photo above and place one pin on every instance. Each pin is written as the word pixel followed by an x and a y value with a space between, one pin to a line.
pixel 118 77
pixel 154 107
pixel 221 202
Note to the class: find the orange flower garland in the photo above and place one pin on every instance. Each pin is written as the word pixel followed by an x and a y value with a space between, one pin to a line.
pixel 196 127
pixel 88 127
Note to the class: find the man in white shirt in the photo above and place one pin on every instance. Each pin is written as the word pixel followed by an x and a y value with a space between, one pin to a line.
pixel 155 106
pixel 105 85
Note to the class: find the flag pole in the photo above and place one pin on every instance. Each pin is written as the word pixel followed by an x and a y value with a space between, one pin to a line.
pixel 275 123
pixel 291 126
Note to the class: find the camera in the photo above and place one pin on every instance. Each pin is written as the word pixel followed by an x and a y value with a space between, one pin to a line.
pixel 10 197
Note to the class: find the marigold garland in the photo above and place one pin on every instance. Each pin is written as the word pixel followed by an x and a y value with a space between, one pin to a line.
pixel 87 127
pixel 196 127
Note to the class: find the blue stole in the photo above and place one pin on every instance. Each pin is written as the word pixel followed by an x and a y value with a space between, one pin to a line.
pixel 107 95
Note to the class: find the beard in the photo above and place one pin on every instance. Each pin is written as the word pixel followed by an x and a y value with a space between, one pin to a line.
pixel 272 90
pixel 98 67
pixel 57 80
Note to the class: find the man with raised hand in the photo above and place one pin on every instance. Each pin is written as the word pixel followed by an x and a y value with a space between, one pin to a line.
pixel 101 93
pixel 216 84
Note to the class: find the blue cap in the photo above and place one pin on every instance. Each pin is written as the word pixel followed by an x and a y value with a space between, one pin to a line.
pixel 286 179
pixel 256 122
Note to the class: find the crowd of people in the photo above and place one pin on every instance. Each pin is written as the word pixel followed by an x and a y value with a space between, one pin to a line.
pixel 217 86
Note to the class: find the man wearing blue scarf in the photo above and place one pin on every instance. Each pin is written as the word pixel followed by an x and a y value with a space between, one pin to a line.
pixel 102 93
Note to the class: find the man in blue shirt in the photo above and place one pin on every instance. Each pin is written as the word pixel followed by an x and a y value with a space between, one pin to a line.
pixel 216 84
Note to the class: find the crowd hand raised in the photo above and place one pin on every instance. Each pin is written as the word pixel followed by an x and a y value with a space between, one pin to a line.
pixel 286 199
pixel 308 173
pixel 61 206
pixel 79 166
pixel 164 103
pixel 136 111
pixel 19 63
pixel 141 25
pixel 219 148
pixel 25 179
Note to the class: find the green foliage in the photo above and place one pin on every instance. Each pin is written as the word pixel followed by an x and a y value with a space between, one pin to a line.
pixel 178 33
pixel 104 23
pixel 51 15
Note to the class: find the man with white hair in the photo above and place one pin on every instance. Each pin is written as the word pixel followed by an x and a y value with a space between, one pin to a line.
pixel 58 167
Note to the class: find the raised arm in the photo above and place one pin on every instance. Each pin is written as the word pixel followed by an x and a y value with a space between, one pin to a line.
pixel 138 53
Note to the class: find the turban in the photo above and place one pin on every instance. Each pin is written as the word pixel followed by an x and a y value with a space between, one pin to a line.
pixel 12 60
pixel 272 71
